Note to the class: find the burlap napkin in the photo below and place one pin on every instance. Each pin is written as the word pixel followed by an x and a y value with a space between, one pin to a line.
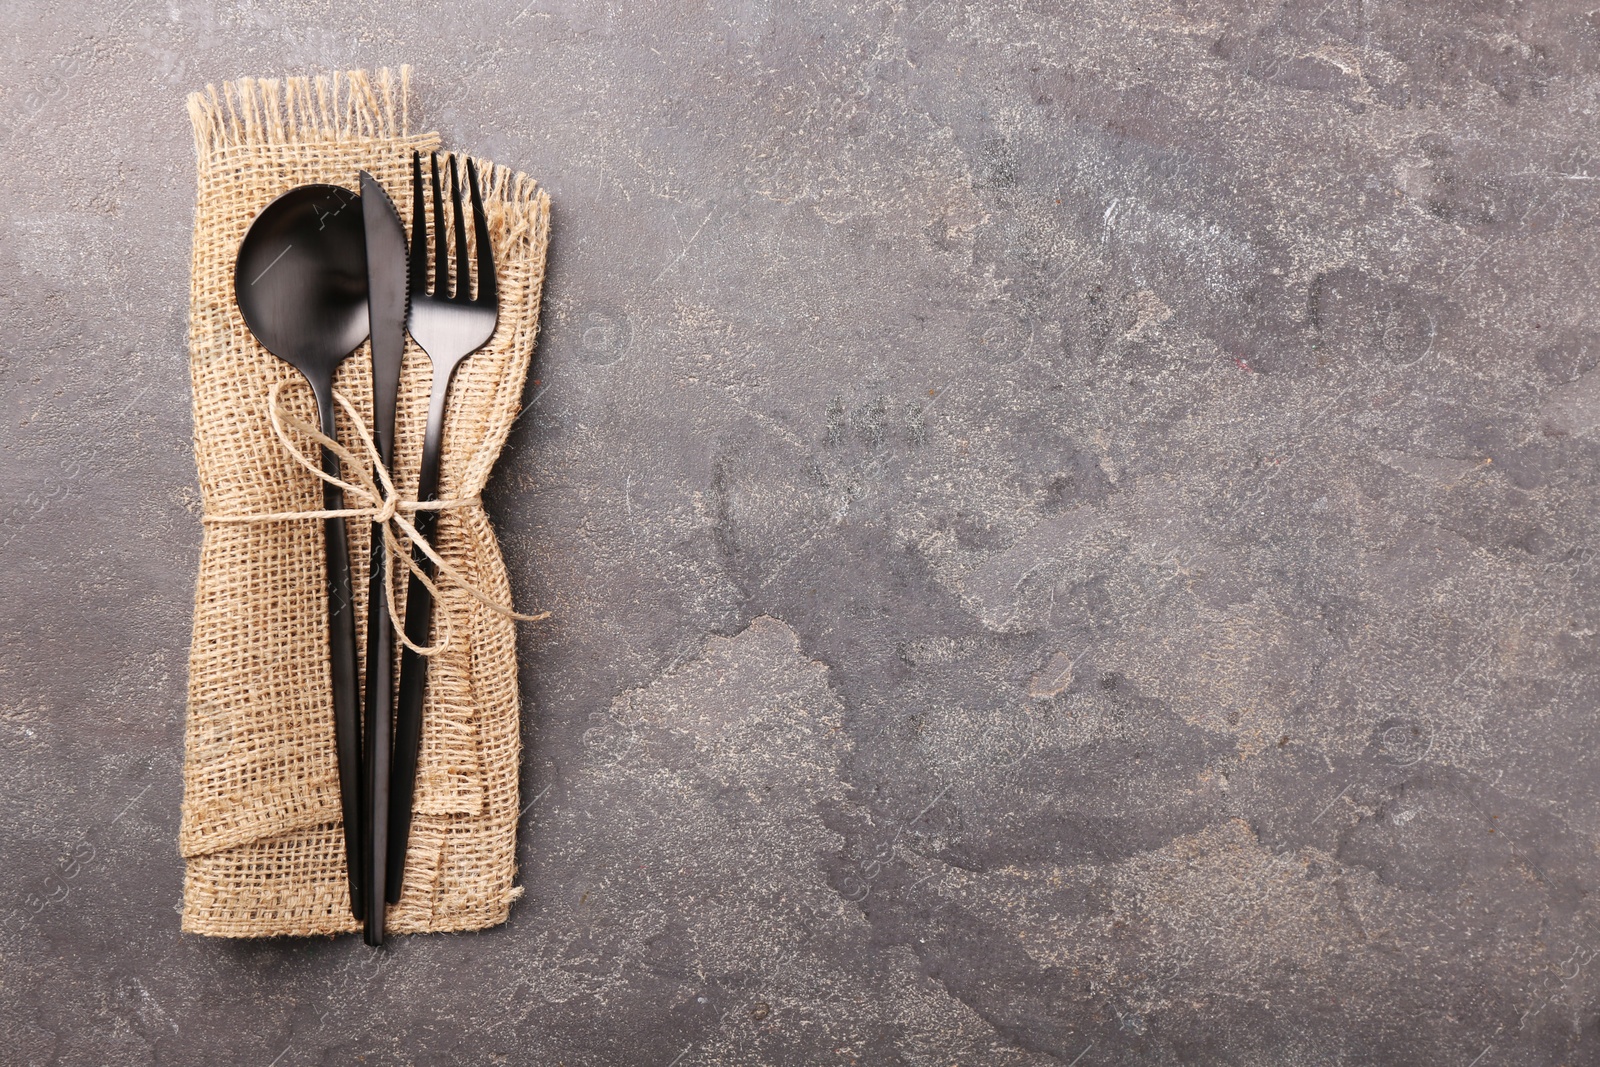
pixel 260 830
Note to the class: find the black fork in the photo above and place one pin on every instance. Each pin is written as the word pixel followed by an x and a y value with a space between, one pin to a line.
pixel 449 322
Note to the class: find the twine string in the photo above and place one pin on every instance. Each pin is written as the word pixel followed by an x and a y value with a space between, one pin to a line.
pixel 381 504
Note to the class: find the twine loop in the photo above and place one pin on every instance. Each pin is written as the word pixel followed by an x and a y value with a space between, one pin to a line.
pixel 381 504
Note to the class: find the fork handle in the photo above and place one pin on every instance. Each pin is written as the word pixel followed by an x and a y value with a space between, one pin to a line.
pixel 379 739
pixel 414 668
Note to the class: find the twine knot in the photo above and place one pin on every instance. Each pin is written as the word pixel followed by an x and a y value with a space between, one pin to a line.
pixel 374 489
pixel 390 508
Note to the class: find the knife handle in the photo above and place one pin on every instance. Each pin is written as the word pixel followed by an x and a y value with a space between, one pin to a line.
pixel 379 733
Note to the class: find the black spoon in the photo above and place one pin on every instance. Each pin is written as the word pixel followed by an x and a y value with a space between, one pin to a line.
pixel 301 283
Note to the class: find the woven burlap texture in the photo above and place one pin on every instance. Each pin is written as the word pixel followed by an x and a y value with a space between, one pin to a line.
pixel 261 833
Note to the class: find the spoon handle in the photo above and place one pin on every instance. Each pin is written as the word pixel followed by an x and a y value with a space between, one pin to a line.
pixel 342 670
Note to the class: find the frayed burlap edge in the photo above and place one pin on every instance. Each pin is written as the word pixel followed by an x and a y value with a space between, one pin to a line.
pixel 266 112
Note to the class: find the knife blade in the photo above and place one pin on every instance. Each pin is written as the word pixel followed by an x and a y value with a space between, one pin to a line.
pixel 387 296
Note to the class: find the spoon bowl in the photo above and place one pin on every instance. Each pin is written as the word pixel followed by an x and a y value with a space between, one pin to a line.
pixel 301 279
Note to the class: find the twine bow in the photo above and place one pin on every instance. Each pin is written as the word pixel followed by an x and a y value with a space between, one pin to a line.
pixel 381 504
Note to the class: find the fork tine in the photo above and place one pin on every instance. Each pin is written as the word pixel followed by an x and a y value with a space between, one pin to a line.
pixel 441 251
pixel 417 260
pixel 488 289
pixel 463 289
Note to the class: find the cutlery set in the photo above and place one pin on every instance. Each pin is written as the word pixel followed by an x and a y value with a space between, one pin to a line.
pixel 320 270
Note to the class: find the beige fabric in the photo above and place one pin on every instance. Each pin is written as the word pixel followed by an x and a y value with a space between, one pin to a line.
pixel 260 830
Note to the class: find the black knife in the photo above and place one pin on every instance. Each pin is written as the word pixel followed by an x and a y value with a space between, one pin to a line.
pixel 386 302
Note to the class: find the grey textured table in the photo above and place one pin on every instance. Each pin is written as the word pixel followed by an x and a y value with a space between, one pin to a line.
pixel 1068 530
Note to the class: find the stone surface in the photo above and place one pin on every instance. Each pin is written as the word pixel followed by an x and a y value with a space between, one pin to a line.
pixel 1068 530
